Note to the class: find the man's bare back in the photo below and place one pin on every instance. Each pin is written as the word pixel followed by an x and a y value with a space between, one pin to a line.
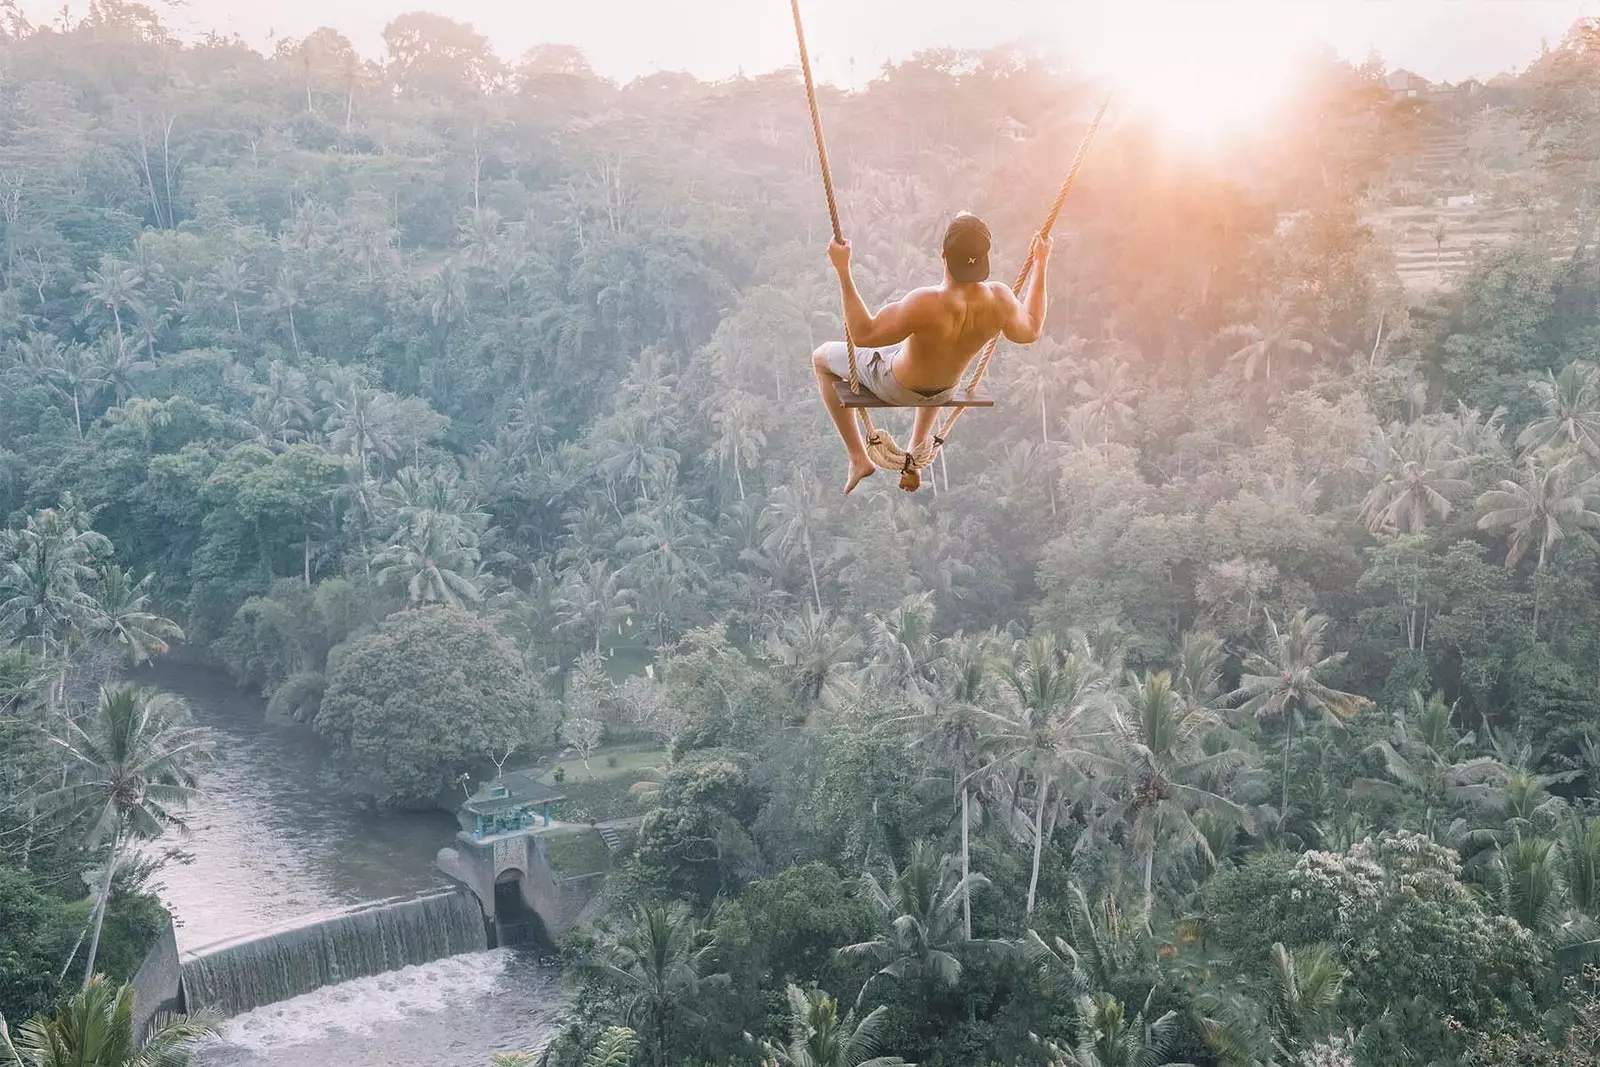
pixel 950 324
pixel 938 329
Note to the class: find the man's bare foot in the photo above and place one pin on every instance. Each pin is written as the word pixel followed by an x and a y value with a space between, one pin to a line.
pixel 859 469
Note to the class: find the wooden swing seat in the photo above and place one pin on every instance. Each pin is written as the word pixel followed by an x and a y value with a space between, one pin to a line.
pixel 977 396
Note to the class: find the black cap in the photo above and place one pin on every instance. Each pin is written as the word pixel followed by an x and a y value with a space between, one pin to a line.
pixel 966 248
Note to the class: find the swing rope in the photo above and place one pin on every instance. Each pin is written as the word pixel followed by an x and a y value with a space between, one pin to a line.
pixel 881 447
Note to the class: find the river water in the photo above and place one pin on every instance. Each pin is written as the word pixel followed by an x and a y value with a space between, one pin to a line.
pixel 278 838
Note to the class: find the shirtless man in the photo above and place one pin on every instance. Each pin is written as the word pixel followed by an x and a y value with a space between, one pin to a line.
pixel 917 348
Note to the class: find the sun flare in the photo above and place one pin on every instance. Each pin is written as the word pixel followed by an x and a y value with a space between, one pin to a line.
pixel 1200 71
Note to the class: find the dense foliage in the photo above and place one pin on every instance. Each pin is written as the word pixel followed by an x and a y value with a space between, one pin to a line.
pixel 414 703
pixel 1226 698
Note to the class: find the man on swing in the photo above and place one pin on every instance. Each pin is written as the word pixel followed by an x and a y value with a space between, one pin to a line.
pixel 916 349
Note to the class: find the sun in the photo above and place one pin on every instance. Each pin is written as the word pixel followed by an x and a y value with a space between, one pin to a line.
pixel 1201 71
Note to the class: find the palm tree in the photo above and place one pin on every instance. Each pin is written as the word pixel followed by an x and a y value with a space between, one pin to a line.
pixel 1276 331
pixel 1415 480
pixel 94 1028
pixel 116 366
pixel 740 433
pixel 1106 948
pixel 123 616
pixel 1572 412
pixel 1161 771
pixel 1108 1038
pixel 435 561
pixel 1539 509
pixel 286 397
pixel 357 418
pixel 284 295
pixel 790 518
pixel 812 650
pixel 1045 730
pixel 1106 397
pixel 594 599
pixel 48 569
pixel 1529 874
pixel 1284 681
pixel 445 294
pixel 919 915
pixel 1301 1009
pixel 133 767
pixel 820 1037
pixel 614 1048
pixel 1426 759
pixel 230 281
pixel 953 733
pixel 114 286
pixel 1039 373
pixel 69 371
pixel 1542 508
pixel 1580 856
pixel 905 656
pixel 1198 676
pixel 654 969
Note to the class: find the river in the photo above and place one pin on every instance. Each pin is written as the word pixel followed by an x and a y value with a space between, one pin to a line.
pixel 279 837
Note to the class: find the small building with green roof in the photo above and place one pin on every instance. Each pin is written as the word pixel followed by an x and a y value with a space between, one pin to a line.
pixel 514 802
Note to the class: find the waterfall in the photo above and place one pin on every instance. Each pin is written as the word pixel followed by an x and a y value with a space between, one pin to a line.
pixel 285 962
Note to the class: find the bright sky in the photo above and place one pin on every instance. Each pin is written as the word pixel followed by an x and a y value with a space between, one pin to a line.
pixel 1440 39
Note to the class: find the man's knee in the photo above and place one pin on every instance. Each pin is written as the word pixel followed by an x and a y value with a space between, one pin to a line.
pixel 819 360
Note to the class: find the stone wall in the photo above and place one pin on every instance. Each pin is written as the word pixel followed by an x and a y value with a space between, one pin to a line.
pixel 157 985
pixel 556 900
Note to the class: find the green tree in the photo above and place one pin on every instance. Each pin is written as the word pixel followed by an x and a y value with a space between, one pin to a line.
pixel 132 769
pixel 1297 1009
pixel 122 616
pixel 1571 412
pixel 1548 502
pixel 94 1028
pixel 433 561
pixel 1162 771
pixel 416 702
pixel 1427 761
pixel 1414 480
pixel 920 936
pixel 1277 332
pixel 1045 730
pixel 1284 681
pixel 47 573
pixel 821 1037
pixel 1108 1038
pixel 654 968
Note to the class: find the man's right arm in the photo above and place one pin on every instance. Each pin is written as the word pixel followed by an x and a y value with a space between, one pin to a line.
pixel 1026 320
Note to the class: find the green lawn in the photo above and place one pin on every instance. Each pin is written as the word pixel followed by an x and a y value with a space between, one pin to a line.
pixel 575 851
pixel 600 791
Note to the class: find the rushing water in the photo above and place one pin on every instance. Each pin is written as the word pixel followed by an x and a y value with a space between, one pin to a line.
pixel 281 963
pixel 280 842
pixel 456 1012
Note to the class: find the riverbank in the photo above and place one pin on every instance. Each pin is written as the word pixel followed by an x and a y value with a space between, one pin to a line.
pixel 282 838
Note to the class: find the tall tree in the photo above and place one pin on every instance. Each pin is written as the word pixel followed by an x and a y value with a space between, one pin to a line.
pixel 920 936
pixel 1549 502
pixel 654 967
pixel 793 517
pixel 133 769
pixel 1047 729
pixel 94 1028
pixel 1284 681
pixel 820 1037
pixel 1571 418
pixel 1162 772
